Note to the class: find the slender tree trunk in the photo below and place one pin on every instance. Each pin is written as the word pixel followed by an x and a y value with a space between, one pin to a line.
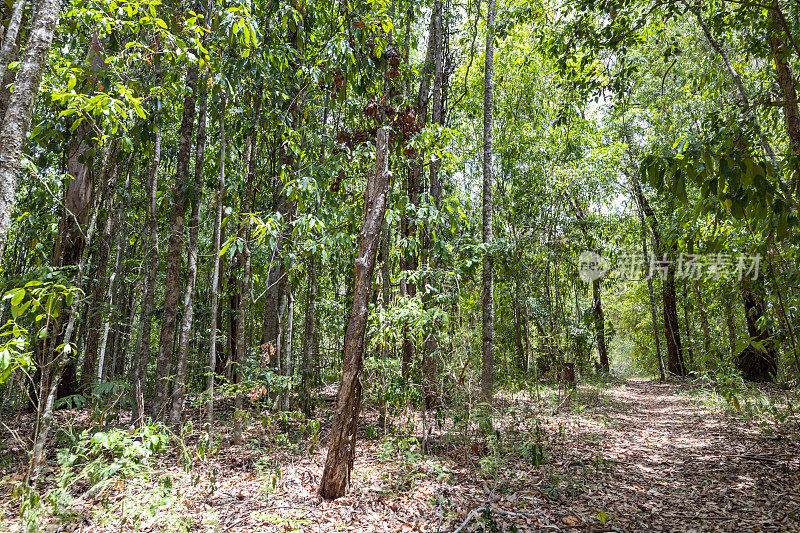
pixel 115 291
pixel 675 364
pixel 703 318
pixel 437 117
pixel 244 294
pixel 9 48
pixel 172 280
pixel 687 321
pixel 17 117
pixel 179 388
pixel 341 450
pixel 90 372
pixel 651 293
pixel 730 322
pixel 519 345
pixel 142 357
pixel 487 301
pixel 11 39
pixel 409 262
pixel 386 275
pixel 212 343
pixel 599 325
pixel 308 335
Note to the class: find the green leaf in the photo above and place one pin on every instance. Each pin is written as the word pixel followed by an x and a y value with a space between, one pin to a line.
pixel 17 298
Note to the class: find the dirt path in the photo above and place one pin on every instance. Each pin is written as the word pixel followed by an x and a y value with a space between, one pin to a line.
pixel 666 462
pixel 637 456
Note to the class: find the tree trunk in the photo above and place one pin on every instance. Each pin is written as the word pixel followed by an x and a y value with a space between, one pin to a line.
pixel 437 117
pixel 142 357
pixel 244 259
pixel 212 343
pixel 10 45
pixel 784 78
pixel 179 387
pixel 89 372
pixel 341 450
pixel 308 335
pixel 687 321
pixel 599 325
pixel 675 364
pixel 409 261
pixel 487 300
pixel 114 293
pixel 651 293
pixel 17 117
pixel 172 280
pixel 759 360
pixel 703 318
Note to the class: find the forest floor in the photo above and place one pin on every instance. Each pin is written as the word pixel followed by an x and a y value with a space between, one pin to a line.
pixel 631 455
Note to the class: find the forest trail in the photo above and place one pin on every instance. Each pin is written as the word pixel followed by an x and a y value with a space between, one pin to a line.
pixel 635 456
pixel 677 465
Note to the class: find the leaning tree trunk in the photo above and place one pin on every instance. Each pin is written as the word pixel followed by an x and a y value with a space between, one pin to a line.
pixel 487 300
pixel 175 247
pixel 17 118
pixel 675 364
pixel 179 387
pixel 342 445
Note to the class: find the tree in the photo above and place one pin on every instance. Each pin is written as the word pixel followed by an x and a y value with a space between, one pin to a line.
pixel 487 298
pixel 17 118
pixel 342 443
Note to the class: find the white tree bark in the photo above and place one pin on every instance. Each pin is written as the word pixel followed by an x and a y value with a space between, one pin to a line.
pixel 18 115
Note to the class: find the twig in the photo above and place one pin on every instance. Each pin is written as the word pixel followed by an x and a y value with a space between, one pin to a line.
pixel 439 525
pixel 479 510
pixel 755 458
pixel 565 400
pixel 16 436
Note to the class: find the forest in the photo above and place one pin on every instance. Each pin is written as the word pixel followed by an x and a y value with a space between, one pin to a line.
pixel 395 265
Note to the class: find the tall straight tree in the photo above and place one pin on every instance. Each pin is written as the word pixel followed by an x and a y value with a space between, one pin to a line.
pixel 17 117
pixel 175 249
pixel 215 276
pixel 142 355
pixel 184 334
pixel 487 300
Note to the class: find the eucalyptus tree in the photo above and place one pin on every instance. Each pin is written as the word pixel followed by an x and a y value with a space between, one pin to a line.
pixel 17 116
